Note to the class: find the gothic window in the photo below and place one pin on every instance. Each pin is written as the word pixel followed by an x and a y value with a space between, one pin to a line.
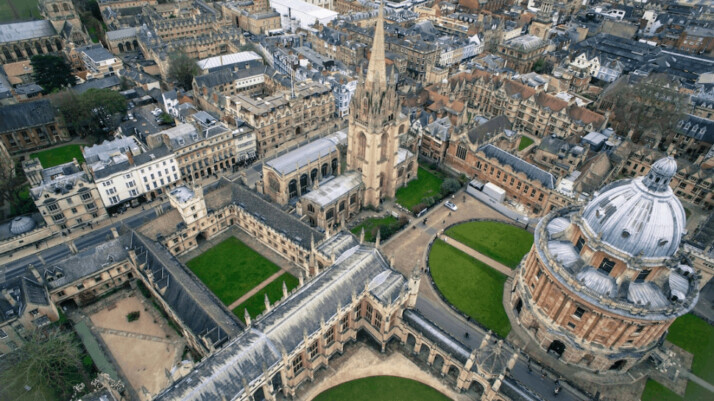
pixel 333 164
pixel 368 313
pixel 461 152
pixel 297 364
pixel 361 145
pixel 310 208
pixel 313 174
pixel 273 183
pixel 303 183
pixel 323 170
pixel 312 351
pixel 55 8
pixel 292 188
pixel 377 320
pixel 330 214
pixel 384 146
pixel 329 336
pixel 342 206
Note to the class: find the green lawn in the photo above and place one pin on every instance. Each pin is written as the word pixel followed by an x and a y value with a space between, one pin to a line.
pixel 470 285
pixel 26 10
pixel 499 241
pixel 525 142
pixel 426 185
pixel 382 388
pixel 657 392
pixel 256 303
pixel 697 337
pixel 60 155
pixel 231 268
pixel 387 226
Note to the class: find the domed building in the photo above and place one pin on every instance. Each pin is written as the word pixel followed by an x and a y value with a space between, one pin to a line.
pixel 603 282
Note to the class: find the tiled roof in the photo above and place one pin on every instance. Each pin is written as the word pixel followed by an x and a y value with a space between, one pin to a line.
pixel 519 165
pixel 24 115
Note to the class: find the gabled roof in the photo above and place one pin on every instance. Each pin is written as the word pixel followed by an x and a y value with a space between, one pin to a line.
pixel 24 115
pixel 519 165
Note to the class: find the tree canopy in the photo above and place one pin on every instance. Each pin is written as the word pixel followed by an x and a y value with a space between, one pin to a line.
pixel 652 104
pixel 51 72
pixel 182 68
pixel 47 359
pixel 96 112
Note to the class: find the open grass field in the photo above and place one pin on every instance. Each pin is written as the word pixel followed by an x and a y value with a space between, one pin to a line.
pixel 470 285
pixel 256 303
pixel 231 269
pixel 697 337
pixel 56 156
pixel 26 10
pixel 386 225
pixel 382 388
pixel 525 142
pixel 427 184
pixel 499 241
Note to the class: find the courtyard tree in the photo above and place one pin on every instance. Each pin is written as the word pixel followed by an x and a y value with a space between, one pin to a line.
pixel 12 188
pixel 49 359
pixel 653 105
pixel 96 112
pixel 51 72
pixel 182 68
pixel 449 186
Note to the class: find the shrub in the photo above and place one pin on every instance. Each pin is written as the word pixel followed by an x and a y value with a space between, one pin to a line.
pixel 449 186
pixel 142 289
pixel 132 316
pixel 418 208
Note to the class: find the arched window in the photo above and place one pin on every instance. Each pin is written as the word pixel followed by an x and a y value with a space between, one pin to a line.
pixel 303 183
pixel 121 48
pixel 28 49
pixel 361 145
pixel 402 128
pixel 323 170
pixel 38 48
pixel 310 208
pixel 342 206
pixel 55 8
pixel 292 189
pixel 313 175
pixel 6 53
pixel 333 164
pixel 385 146
pixel 17 51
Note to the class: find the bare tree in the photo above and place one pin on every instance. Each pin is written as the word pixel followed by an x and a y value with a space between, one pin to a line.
pixel 47 359
pixel 651 105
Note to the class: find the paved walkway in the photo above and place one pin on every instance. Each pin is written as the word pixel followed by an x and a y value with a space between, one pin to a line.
pixel 696 379
pixel 255 289
pixel 478 255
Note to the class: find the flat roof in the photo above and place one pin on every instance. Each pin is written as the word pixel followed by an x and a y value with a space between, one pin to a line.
pixel 334 189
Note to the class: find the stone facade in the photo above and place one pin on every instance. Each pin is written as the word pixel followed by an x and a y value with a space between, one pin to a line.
pixel 65 195
pixel 609 318
pixel 34 38
pixel 334 202
pixel 521 53
pixel 282 118
pixel 375 127
pixel 31 125
pixel 530 110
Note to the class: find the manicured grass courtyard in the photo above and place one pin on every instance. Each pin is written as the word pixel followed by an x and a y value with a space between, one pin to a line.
pixel 499 241
pixel 696 336
pixel 382 388
pixel 26 10
pixel 525 142
pixel 231 269
pixel 427 184
pixel 256 303
pixel 470 285
pixel 56 156
pixel 386 226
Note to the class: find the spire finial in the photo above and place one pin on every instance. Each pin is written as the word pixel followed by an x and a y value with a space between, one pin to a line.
pixel 377 70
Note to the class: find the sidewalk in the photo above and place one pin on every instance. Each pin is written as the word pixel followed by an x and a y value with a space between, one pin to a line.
pixel 255 289
pixel 477 255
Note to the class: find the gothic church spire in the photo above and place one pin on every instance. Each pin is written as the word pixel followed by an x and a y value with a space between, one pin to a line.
pixel 377 71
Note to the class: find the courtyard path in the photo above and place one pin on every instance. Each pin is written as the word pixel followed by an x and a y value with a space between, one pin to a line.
pixel 478 255
pixel 255 289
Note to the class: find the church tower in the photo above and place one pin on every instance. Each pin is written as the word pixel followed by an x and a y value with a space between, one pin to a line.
pixel 375 124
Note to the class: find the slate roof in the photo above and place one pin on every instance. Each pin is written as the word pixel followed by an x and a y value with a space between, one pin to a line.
pixel 437 336
pixel 305 154
pixel 282 328
pixel 24 115
pixel 33 292
pixel 519 165
pixel 494 126
pixel 100 83
pixel 699 128
pixel 88 262
pixel 194 304
pixel 26 30
pixel 121 34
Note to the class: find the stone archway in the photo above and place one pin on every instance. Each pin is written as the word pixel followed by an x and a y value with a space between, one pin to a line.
pixel 557 348
pixel 424 352
pixel 438 363
pixel 411 342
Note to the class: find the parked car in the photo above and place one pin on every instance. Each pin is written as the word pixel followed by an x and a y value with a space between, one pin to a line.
pixel 450 205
